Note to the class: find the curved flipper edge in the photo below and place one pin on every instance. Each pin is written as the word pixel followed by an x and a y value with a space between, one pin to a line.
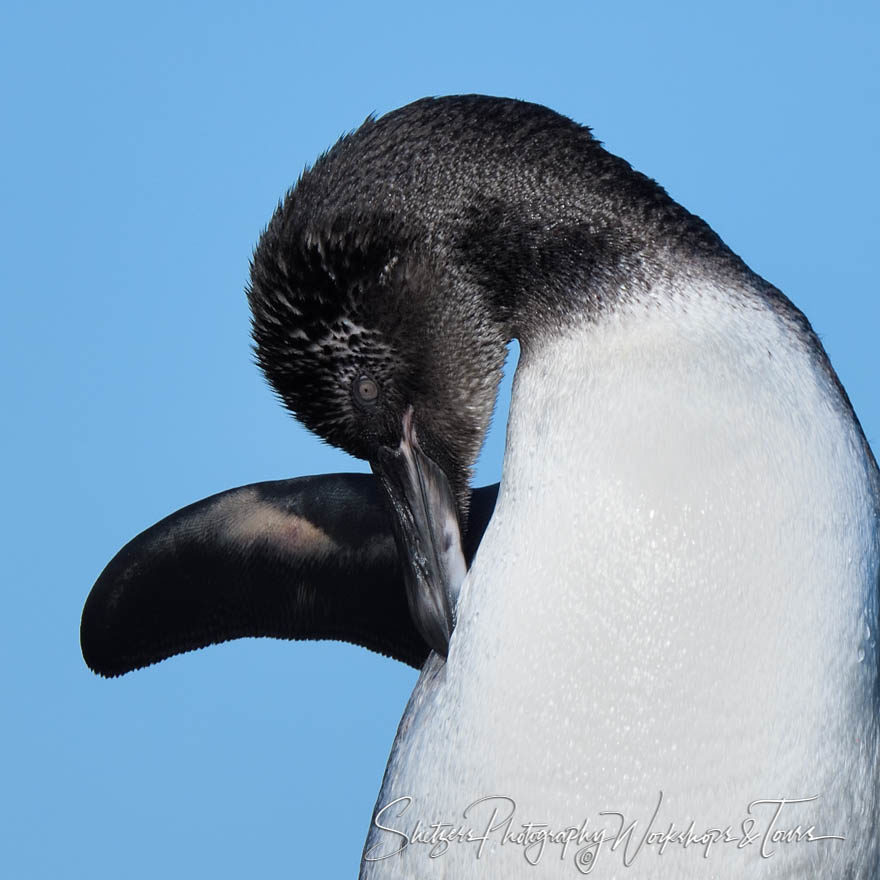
pixel 307 558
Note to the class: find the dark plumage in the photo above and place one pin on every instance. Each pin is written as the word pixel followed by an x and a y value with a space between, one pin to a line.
pixel 308 558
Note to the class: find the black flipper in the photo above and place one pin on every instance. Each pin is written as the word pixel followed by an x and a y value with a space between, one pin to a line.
pixel 308 558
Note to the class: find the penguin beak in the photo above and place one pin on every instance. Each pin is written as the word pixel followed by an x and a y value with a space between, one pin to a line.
pixel 425 522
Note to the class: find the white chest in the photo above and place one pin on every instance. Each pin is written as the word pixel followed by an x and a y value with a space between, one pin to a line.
pixel 676 595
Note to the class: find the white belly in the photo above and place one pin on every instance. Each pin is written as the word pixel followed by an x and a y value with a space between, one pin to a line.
pixel 671 617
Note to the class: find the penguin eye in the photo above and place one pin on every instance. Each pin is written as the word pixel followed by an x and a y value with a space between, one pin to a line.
pixel 365 390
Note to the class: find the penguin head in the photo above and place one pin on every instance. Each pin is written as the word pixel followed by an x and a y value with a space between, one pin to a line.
pixel 357 324
pixel 398 267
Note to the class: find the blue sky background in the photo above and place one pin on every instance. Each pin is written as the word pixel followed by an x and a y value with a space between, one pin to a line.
pixel 143 150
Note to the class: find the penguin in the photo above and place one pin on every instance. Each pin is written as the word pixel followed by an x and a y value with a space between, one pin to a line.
pixel 661 659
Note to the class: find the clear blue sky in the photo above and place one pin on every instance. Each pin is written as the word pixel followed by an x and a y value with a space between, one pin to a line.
pixel 142 152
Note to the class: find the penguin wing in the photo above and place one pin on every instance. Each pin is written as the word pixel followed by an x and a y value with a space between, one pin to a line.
pixel 307 558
